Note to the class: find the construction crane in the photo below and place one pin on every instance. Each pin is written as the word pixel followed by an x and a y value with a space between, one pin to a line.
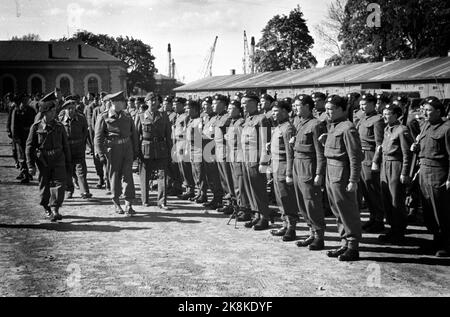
pixel 246 58
pixel 18 9
pixel 206 70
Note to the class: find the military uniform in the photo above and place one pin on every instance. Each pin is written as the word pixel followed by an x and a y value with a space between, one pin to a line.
pixel 174 181
pixel 343 154
pixel 155 143
pixel 434 173
pixel 309 161
pixel 396 161
pixel 88 113
pixel 11 107
pixel 48 148
pixel 77 133
pixel 101 168
pixel 194 149
pixel 371 132
pixel 116 140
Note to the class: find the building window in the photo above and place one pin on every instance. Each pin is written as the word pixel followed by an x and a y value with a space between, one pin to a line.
pixel 36 85
pixel 8 85
pixel 93 85
pixel 64 85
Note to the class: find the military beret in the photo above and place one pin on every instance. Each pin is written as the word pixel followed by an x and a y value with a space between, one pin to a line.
pixel 235 103
pixel 118 96
pixel 319 95
pixel 284 104
pixel 395 109
pixel 140 99
pixel 353 95
pixel 434 102
pixel 267 97
pixel 402 99
pixel 369 98
pixel 338 101
pixel 220 97
pixel 383 98
pixel 251 95
pixel 208 100
pixel 168 98
pixel 193 104
pixel 179 99
pixel 305 99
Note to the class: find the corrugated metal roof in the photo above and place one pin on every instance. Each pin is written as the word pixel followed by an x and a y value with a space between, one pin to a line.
pixel 392 71
pixel 11 51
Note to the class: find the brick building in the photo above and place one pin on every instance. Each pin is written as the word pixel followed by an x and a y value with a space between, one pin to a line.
pixel 74 67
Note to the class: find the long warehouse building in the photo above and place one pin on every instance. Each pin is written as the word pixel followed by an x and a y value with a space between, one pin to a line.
pixel 418 77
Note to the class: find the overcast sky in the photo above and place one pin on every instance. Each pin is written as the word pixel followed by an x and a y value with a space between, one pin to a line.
pixel 189 25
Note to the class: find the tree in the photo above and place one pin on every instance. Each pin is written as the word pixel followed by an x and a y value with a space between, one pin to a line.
pixel 28 37
pixel 408 29
pixel 285 44
pixel 329 29
pixel 136 54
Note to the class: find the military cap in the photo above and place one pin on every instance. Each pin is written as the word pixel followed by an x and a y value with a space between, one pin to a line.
pixel 369 98
pixel 251 95
pixel 395 109
pixel 118 96
pixel 305 99
pixel 70 97
pixel 284 104
pixel 179 99
pixel 208 100
pixel 140 99
pixel 338 101
pixel 383 98
pixel 319 95
pixel 220 97
pixel 131 99
pixel 434 102
pixel 235 103
pixel 47 102
pixel 168 98
pixel 353 95
pixel 193 104
pixel 402 99
pixel 68 103
pixel 267 97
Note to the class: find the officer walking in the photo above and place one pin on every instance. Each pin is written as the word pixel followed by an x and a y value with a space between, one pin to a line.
pixel 309 171
pixel 434 155
pixel 48 148
pixel 371 132
pixel 343 154
pixel 76 128
pixel 116 141
pixel 282 154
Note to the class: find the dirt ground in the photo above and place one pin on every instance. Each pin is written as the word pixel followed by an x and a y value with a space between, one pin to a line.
pixel 185 252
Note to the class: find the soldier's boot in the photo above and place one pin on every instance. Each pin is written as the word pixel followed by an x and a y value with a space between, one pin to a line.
pixel 337 252
pixel 252 222
pixel 306 242
pixel 319 241
pixel 282 231
pixel 55 215
pixel 100 184
pixel 351 254
pixel 86 195
pixel 244 215
pixel 20 177
pixel 262 224
pixel 25 179
pixel 129 211
pixel 117 208
pixel 47 212
pixel 290 234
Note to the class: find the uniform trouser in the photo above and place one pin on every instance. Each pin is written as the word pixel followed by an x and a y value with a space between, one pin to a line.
pixel 174 177
pixel 21 157
pixel 198 173
pixel 309 197
pixel 393 194
pixel 344 204
pixel 239 186
pixel 185 169
pixel 145 172
pixel 52 184
pixel 79 168
pixel 371 188
pixel 226 177
pixel 213 179
pixel 120 163
pixel 284 193
pixel 436 202
pixel 14 151
pixel 90 139
pixel 255 186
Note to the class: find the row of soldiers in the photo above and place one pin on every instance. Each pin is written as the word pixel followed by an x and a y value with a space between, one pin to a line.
pixel 308 146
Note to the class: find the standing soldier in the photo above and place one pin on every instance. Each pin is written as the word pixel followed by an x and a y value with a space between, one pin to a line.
pixel 11 105
pixel 353 104
pixel 319 106
pixel 195 150
pixel 22 118
pixel 77 132
pixel 131 108
pixel 382 102
pixel 371 132
pixel 255 136
pixel 282 158
pixel 88 113
pixel 155 143
pixel 395 157
pixel 434 155
pixel 266 107
pixel 343 153
pixel 116 141
pixel 101 168
pixel 184 166
pixel 309 171
pixel 47 147
pixel 212 170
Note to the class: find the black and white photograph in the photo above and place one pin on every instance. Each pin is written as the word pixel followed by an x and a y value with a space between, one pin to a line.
pixel 225 154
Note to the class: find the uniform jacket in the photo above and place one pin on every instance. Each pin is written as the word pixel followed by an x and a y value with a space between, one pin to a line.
pixel 220 126
pixel 256 133
pixel 21 122
pixel 194 144
pixel 77 132
pixel 281 148
pixel 233 140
